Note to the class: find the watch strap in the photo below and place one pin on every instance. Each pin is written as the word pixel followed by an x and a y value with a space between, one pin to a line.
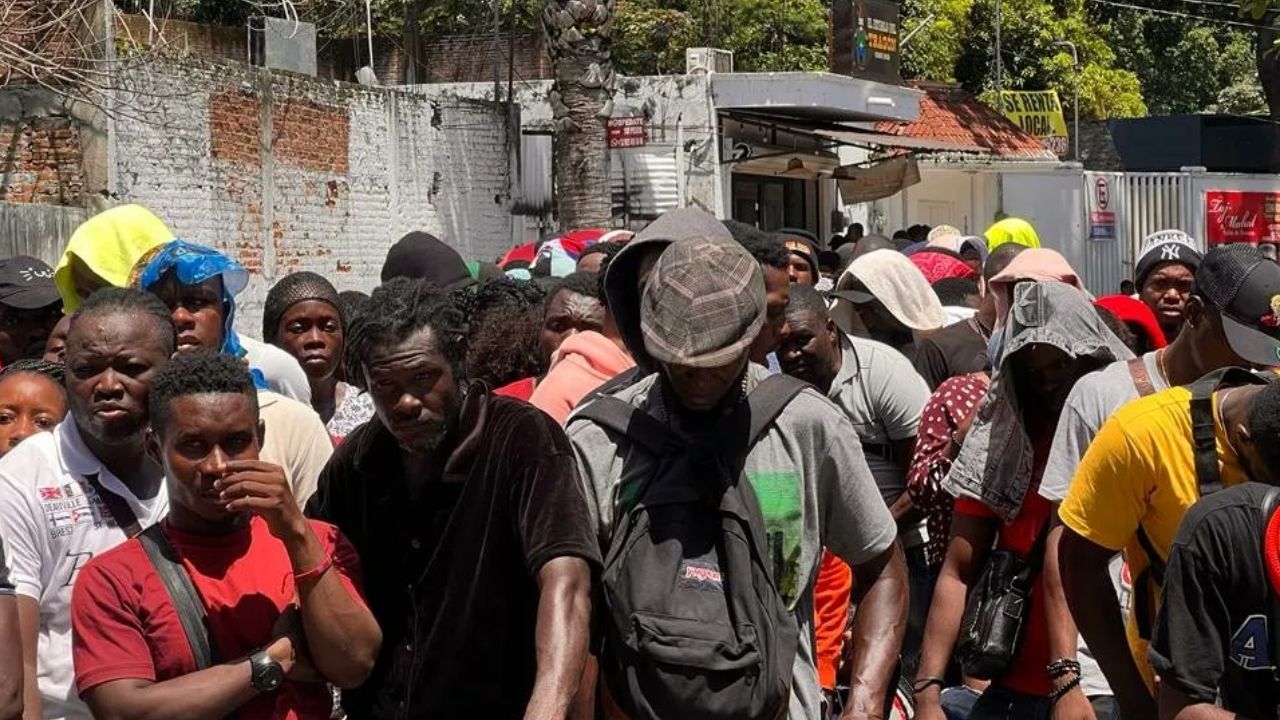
pixel 257 660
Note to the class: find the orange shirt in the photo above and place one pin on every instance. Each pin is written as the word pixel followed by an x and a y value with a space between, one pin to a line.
pixel 831 592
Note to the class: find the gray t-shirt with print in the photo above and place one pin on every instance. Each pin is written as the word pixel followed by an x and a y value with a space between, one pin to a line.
pixel 1093 400
pixel 814 489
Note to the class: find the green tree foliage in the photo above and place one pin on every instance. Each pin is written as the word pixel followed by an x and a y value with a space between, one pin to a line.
pixel 650 36
pixel 1183 64
pixel 958 44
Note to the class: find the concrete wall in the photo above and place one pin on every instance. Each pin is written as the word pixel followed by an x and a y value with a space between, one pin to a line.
pixel 681 127
pixel 288 173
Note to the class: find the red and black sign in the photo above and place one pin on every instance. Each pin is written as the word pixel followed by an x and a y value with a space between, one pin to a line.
pixel 627 132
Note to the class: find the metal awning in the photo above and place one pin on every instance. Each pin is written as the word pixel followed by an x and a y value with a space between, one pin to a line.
pixel 886 140
pixel 817 96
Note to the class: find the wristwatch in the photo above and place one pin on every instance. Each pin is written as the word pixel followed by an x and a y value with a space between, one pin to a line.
pixel 266 674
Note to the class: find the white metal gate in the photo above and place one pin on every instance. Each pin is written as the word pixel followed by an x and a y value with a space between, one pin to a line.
pixel 1154 202
pixel 1142 203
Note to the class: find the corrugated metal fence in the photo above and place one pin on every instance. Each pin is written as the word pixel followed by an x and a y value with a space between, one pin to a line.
pixel 40 231
pixel 1143 203
pixel 1155 201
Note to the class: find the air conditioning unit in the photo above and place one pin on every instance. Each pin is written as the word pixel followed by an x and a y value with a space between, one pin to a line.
pixel 708 60
pixel 281 44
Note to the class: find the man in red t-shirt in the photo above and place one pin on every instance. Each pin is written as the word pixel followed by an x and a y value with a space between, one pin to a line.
pixel 281 595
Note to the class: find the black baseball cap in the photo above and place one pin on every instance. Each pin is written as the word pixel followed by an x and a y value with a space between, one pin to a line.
pixel 1245 288
pixel 27 283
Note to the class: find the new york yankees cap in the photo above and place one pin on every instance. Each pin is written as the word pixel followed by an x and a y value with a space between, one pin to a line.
pixel 1244 287
pixel 1164 247
pixel 27 283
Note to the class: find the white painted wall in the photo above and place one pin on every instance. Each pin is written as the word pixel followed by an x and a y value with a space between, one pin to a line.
pixel 962 198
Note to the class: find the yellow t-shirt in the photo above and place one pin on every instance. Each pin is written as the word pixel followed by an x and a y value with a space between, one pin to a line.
pixel 1140 469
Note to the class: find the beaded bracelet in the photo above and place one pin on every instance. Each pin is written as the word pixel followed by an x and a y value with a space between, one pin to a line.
pixel 1062 667
pixel 1057 693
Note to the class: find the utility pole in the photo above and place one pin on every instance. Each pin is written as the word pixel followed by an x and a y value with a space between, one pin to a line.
pixel 999 64
pixel 999 105
pixel 1075 102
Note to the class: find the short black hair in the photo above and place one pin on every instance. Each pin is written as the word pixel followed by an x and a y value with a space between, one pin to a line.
pixel 767 248
pixel 999 259
pixel 805 299
pixel 953 291
pixel 55 371
pixel 582 282
pixel 399 308
pixel 610 250
pixel 1264 423
pixel 133 302
pixel 199 373
pixel 350 304
pixel 505 322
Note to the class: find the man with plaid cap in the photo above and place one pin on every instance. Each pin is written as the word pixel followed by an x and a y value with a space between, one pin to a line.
pixel 700 312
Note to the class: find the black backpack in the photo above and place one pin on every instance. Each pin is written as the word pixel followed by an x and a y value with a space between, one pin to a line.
pixel 1208 479
pixel 693 624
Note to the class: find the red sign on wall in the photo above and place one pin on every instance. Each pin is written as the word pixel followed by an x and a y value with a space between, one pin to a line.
pixel 1251 217
pixel 627 132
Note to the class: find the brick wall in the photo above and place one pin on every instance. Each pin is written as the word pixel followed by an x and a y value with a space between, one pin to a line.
pixel 345 171
pixel 186 38
pixel 38 27
pixel 41 161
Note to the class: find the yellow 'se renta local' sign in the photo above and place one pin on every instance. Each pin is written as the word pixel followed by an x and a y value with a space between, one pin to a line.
pixel 1038 113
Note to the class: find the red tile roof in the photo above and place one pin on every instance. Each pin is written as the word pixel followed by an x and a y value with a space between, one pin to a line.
pixel 950 114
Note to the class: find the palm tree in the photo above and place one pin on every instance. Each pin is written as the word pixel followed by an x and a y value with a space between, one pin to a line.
pixel 579 41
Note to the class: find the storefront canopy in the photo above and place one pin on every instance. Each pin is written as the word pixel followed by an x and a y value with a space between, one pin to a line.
pixel 815 96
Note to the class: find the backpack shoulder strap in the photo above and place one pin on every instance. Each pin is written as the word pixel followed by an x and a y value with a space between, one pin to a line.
pixel 768 400
pixel 1203 424
pixel 182 593
pixel 628 420
pixel 1141 378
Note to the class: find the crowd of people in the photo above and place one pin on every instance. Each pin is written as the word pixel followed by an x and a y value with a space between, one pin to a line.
pixel 698 471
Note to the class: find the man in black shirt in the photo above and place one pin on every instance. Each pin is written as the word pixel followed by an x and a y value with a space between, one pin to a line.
pixel 470 521
pixel 1213 639
pixel 961 348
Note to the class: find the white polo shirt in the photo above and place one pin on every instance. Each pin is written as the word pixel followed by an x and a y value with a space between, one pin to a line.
pixel 53 522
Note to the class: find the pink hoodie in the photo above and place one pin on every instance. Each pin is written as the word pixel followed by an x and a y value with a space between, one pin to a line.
pixel 583 363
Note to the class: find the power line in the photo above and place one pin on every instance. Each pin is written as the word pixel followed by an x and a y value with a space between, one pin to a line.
pixel 1173 13
pixel 1213 3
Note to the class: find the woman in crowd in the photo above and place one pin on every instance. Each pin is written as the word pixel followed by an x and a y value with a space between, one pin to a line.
pixel 32 400
pixel 200 285
pixel 303 317
pixel 1052 337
